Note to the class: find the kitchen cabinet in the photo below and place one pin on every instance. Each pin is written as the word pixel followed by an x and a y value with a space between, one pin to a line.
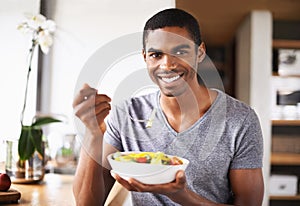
pixel 285 156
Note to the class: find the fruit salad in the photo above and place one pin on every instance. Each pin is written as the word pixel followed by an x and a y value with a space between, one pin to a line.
pixel 147 157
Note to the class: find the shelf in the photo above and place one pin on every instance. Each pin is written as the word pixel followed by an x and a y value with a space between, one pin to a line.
pixel 275 74
pixel 286 122
pixel 294 197
pixel 288 44
pixel 285 159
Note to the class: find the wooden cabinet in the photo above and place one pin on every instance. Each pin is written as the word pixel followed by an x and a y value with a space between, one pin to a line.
pixel 285 156
pixel 285 159
pixel 286 136
pixel 286 43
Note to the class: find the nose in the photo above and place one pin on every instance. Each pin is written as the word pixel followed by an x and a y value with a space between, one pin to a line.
pixel 168 62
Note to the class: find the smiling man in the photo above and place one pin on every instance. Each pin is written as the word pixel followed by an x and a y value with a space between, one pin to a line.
pixel 219 135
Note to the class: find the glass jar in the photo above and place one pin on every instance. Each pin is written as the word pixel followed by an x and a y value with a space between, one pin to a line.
pixel 24 171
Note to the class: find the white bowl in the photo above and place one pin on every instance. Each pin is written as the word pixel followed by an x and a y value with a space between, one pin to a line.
pixel 145 172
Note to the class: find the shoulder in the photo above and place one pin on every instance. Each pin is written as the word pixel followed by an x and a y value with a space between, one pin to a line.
pixel 136 106
pixel 149 99
pixel 234 104
pixel 236 110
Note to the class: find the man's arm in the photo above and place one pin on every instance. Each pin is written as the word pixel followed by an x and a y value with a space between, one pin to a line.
pixel 92 180
pixel 88 186
pixel 247 186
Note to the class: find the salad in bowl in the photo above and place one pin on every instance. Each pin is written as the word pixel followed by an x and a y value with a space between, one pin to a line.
pixel 147 167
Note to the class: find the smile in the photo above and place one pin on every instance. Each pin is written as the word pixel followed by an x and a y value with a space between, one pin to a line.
pixel 170 79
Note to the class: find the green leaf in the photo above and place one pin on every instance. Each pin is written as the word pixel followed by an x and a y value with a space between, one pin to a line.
pixel 25 146
pixel 31 137
pixel 44 120
pixel 36 138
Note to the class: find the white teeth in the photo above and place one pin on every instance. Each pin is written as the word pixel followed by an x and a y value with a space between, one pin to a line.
pixel 168 80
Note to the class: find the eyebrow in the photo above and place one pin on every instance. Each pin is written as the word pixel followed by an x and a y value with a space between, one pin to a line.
pixel 153 50
pixel 183 46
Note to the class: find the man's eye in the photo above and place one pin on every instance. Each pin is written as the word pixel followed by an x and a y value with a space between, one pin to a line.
pixel 155 54
pixel 180 52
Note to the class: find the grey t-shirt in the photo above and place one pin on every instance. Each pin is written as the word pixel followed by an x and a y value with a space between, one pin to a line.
pixel 228 136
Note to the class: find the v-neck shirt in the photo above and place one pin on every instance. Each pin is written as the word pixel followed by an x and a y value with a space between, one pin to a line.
pixel 228 136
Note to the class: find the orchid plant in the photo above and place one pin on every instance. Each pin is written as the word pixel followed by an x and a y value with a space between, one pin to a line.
pixel 41 31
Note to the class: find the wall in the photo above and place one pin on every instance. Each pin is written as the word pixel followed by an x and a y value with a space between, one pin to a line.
pixel 14 66
pixel 253 67
pixel 84 26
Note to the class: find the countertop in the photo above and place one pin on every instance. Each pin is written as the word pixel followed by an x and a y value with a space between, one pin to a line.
pixel 54 189
pixel 57 190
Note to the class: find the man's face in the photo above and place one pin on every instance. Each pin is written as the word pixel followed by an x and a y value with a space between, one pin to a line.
pixel 172 58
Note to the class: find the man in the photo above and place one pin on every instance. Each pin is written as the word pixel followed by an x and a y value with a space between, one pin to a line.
pixel 221 136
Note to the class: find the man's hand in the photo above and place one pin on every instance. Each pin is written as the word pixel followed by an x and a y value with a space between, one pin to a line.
pixel 176 190
pixel 91 186
pixel 168 189
pixel 91 108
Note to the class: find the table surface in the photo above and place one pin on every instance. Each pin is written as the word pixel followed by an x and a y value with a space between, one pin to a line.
pixel 57 190
pixel 54 190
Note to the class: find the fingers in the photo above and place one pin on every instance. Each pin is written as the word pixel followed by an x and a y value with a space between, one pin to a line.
pixel 167 189
pixel 94 104
pixel 84 94
pixel 91 108
pixel 89 97
pixel 101 98
pixel 101 111
pixel 123 182
pixel 88 92
pixel 180 177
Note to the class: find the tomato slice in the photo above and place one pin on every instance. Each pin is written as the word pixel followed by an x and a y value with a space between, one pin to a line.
pixel 141 160
pixel 176 161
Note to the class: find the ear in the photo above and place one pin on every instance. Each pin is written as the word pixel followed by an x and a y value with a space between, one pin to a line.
pixel 201 52
pixel 144 54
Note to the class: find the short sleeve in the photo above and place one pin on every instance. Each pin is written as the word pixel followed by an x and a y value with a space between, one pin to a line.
pixel 112 134
pixel 249 144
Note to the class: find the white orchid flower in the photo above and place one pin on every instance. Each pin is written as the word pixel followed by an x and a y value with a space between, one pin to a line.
pixel 23 27
pixel 45 41
pixel 41 30
pixel 49 25
pixel 35 21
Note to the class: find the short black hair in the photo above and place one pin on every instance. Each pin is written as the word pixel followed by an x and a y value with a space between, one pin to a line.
pixel 173 17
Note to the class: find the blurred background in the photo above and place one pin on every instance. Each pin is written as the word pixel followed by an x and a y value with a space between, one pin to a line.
pixel 254 46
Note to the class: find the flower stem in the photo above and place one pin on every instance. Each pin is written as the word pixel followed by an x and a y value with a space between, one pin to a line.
pixel 31 52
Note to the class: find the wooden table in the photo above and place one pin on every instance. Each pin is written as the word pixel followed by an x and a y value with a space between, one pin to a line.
pixel 54 190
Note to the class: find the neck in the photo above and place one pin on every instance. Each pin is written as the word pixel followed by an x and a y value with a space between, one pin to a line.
pixel 191 101
pixel 184 110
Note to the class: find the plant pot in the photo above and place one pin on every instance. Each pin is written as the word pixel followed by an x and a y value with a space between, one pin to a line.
pixel 24 171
